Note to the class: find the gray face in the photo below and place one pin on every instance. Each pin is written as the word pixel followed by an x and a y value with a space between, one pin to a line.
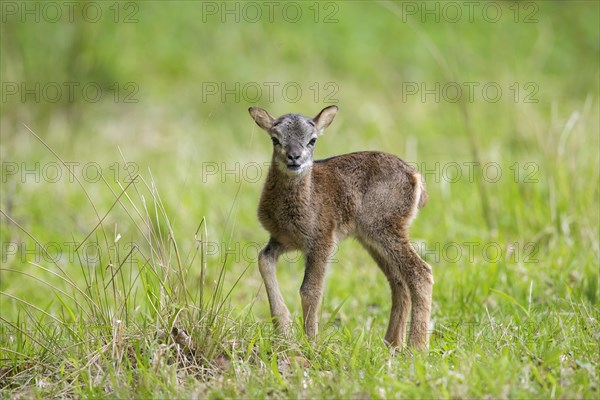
pixel 294 138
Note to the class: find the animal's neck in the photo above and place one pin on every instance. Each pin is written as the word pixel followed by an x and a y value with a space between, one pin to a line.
pixel 299 184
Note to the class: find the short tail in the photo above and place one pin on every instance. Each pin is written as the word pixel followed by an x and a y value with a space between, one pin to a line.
pixel 424 196
pixel 419 196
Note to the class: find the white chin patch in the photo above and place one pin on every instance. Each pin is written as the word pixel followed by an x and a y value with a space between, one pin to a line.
pixel 293 171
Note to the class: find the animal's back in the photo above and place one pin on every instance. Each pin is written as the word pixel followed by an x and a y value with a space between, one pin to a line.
pixel 372 182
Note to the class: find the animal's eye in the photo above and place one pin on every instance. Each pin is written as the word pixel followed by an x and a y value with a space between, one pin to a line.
pixel 275 141
pixel 312 142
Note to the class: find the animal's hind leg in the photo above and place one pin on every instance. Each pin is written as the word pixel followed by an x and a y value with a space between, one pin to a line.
pixel 419 280
pixel 406 267
pixel 400 299
pixel 401 305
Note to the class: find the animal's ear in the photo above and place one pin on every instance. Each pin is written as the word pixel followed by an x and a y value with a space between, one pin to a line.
pixel 261 117
pixel 324 118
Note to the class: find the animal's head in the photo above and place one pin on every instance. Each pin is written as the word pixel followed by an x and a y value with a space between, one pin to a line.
pixel 293 136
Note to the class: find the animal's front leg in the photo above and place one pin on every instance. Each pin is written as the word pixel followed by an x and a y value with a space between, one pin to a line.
pixel 267 263
pixel 311 291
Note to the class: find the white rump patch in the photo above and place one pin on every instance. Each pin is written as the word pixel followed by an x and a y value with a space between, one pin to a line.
pixel 418 191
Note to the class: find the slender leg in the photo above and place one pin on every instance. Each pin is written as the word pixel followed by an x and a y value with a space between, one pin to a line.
pixel 311 291
pixel 408 274
pixel 401 305
pixel 420 283
pixel 400 299
pixel 267 263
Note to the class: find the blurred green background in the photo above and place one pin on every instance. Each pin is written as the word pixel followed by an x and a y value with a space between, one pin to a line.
pixel 166 87
pixel 496 102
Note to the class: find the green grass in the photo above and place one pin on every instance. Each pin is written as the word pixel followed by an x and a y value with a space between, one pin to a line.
pixel 169 234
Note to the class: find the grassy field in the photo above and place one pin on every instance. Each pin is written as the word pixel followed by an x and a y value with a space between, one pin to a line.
pixel 131 173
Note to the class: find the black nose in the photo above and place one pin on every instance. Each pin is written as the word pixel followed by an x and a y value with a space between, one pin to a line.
pixel 294 152
pixel 294 156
